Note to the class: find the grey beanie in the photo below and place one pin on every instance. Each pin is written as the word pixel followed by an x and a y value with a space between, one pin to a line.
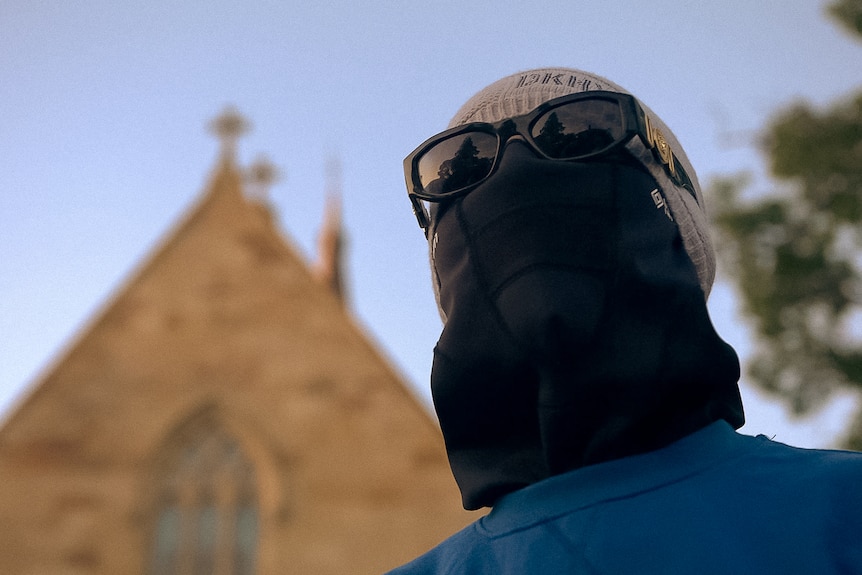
pixel 522 92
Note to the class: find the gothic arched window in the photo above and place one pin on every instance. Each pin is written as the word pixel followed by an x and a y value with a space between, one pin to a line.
pixel 207 514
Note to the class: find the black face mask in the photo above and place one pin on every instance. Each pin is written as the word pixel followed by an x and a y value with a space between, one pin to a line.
pixel 576 331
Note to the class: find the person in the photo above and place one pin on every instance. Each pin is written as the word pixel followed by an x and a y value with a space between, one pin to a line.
pixel 581 388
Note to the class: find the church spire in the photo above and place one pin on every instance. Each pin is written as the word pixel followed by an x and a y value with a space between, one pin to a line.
pixel 330 240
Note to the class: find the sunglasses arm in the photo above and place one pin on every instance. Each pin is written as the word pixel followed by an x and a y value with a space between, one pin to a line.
pixel 663 153
pixel 421 213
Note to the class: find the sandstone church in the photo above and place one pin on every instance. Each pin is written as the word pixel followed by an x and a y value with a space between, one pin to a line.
pixel 223 414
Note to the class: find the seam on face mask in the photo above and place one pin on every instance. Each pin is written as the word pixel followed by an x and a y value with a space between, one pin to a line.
pixel 480 279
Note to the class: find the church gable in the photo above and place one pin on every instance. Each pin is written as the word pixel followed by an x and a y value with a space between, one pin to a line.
pixel 225 409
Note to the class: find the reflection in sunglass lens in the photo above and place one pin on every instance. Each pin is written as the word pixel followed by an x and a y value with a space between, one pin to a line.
pixel 578 129
pixel 457 162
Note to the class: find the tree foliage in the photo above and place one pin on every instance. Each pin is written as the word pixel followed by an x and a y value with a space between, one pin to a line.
pixel 849 14
pixel 796 253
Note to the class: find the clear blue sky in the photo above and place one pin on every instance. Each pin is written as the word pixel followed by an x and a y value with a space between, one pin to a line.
pixel 103 142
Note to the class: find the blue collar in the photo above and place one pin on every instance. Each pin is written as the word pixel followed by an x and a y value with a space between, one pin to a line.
pixel 587 486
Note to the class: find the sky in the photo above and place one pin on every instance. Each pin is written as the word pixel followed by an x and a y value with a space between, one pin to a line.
pixel 103 139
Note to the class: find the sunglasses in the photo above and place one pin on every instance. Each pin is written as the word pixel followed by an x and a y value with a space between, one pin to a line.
pixel 569 128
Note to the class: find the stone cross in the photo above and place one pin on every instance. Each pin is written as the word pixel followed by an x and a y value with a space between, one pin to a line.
pixel 229 126
pixel 260 176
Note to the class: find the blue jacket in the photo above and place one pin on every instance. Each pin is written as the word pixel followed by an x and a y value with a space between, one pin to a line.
pixel 714 502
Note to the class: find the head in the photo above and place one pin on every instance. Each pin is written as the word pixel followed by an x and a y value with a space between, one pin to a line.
pixel 523 92
pixel 571 262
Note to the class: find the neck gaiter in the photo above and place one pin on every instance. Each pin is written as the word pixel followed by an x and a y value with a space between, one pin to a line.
pixel 576 330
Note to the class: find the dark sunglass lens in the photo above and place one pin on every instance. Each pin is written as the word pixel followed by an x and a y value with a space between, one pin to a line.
pixel 457 162
pixel 578 129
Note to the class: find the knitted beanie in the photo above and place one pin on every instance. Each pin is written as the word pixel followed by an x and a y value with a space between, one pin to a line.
pixel 522 92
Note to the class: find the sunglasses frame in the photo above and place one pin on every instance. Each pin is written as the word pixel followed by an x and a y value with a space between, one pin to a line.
pixel 635 123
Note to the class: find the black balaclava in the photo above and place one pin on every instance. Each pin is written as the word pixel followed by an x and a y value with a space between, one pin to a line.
pixel 576 328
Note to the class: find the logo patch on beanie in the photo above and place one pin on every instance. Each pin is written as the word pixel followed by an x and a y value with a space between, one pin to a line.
pixel 660 203
pixel 572 81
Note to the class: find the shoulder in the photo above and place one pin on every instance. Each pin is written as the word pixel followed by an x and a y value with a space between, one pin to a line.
pixel 825 467
pixel 830 465
pixel 460 553
pixel 820 488
pixel 817 483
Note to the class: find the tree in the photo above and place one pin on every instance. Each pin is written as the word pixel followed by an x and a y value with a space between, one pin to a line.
pixel 849 14
pixel 795 254
pixel 465 167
